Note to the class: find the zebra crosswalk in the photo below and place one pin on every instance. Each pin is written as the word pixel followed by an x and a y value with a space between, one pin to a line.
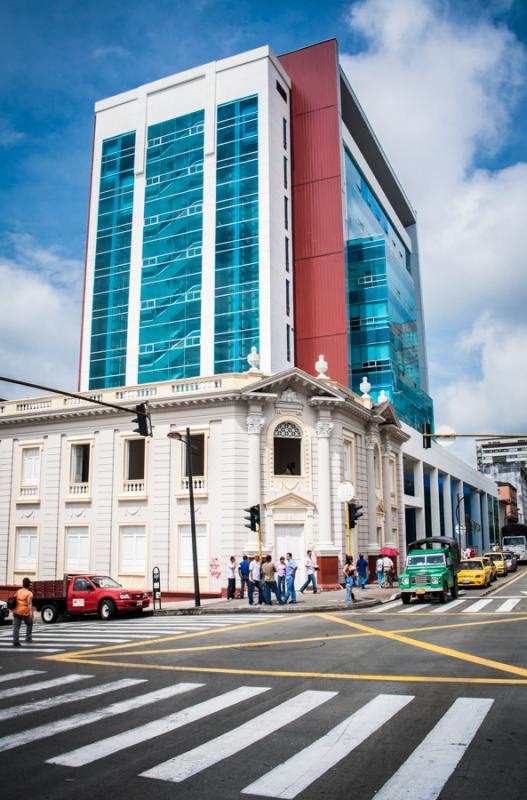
pixel 464 605
pixel 336 728
pixel 76 635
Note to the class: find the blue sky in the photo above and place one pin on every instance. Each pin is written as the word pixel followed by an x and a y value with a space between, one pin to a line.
pixel 443 86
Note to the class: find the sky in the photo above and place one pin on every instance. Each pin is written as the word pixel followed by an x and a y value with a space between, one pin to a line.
pixel 443 84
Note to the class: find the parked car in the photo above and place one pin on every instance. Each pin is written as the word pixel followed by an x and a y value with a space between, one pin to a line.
pixel 4 612
pixel 492 565
pixel 85 594
pixel 499 561
pixel 474 572
pixel 512 561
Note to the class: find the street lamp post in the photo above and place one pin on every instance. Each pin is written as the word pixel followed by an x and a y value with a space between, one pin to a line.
pixel 186 441
pixel 462 528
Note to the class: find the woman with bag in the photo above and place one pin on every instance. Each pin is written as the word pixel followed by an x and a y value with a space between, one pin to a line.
pixel 349 572
pixel 23 612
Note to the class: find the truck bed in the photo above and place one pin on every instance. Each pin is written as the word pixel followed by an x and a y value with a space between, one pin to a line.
pixel 47 589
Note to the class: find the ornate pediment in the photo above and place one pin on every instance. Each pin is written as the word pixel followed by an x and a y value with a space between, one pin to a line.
pixel 290 500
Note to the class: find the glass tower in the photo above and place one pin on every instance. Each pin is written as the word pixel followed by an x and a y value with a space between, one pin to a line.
pixel 111 277
pixel 383 336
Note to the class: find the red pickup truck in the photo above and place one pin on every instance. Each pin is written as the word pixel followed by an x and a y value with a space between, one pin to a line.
pixel 85 594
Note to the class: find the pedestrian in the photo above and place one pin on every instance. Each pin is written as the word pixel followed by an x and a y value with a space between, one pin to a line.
pixel 290 573
pixel 232 569
pixel 472 553
pixel 362 570
pixel 269 576
pixel 349 571
pixel 23 612
pixel 380 571
pixel 280 575
pixel 255 574
pixel 311 567
pixel 387 568
pixel 243 572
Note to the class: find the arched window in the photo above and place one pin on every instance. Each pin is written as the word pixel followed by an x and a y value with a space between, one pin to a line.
pixel 287 441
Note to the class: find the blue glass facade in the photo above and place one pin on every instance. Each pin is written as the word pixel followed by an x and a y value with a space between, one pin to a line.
pixel 112 263
pixel 236 309
pixel 383 335
pixel 170 318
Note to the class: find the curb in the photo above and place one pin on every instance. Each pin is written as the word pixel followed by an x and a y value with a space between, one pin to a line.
pixel 265 611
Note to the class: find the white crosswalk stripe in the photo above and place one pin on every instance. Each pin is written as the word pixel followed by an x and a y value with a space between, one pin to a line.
pixel 385 607
pixel 143 733
pixel 193 761
pixel 477 606
pixel 508 605
pixel 444 607
pixel 61 699
pixel 40 687
pixel 25 673
pixel 300 771
pixel 465 605
pixel 423 775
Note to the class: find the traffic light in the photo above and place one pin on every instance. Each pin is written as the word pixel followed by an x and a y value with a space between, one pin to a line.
pixel 142 420
pixel 427 441
pixel 253 518
pixel 354 513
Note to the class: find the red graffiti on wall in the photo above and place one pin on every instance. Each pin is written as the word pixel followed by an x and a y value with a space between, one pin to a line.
pixel 214 568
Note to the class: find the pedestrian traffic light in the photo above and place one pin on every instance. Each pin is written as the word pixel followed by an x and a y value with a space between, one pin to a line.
pixel 354 513
pixel 142 420
pixel 253 518
pixel 427 440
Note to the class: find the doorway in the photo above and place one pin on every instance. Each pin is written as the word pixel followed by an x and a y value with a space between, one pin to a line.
pixel 290 539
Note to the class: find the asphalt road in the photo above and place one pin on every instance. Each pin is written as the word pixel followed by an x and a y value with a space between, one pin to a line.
pixel 419 702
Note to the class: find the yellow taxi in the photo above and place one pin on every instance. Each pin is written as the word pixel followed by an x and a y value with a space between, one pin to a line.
pixel 499 562
pixel 492 565
pixel 474 572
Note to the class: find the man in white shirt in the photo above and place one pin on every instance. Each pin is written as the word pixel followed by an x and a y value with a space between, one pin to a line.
pixel 387 568
pixel 311 567
pixel 379 564
pixel 255 571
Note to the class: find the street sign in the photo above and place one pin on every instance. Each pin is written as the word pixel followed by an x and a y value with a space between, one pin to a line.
pixel 345 491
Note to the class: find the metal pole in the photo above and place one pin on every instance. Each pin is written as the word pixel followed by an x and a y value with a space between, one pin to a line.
pixel 197 597
pixel 260 541
pixel 348 529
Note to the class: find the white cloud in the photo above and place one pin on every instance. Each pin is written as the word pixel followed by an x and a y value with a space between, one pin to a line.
pixel 440 92
pixel 40 309
pixel 110 50
pixel 9 135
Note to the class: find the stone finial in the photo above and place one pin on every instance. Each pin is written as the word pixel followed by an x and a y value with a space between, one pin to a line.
pixel 366 399
pixel 383 397
pixel 253 359
pixel 322 367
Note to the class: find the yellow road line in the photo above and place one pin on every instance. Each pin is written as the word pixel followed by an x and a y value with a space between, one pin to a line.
pixel 286 674
pixel 434 648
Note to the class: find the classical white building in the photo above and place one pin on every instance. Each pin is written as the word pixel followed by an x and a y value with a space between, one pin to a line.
pixel 79 490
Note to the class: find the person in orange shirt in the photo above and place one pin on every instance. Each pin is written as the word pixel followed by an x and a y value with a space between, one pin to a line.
pixel 23 612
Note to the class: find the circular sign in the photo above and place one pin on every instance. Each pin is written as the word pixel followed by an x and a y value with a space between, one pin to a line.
pixel 345 492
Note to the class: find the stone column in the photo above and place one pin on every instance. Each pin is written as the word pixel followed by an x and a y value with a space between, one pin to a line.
pixel 447 506
pixel 373 544
pixel 323 430
pixel 419 493
pixel 434 502
pixel 387 496
pixel 255 423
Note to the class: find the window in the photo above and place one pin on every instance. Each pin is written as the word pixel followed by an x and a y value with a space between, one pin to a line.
pixel 285 172
pixel 281 90
pixel 197 454
pixel 26 549
pixel 80 469
pixel 132 550
pixel 30 472
pixel 81 585
pixel 348 471
pixel 287 449
pixel 77 549
pixel 288 342
pixel 185 566
pixel 134 466
pixel 286 213
pixel 377 466
pixel 287 253
pixel 284 132
pixel 287 297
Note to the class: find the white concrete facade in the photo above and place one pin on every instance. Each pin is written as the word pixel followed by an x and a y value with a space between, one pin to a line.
pixel 205 87
pixel 54 520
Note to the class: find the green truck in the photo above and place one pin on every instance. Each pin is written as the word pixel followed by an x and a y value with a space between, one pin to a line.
pixel 431 569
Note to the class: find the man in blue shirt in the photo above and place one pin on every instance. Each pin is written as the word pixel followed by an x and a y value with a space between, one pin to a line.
pixel 362 569
pixel 290 572
pixel 243 570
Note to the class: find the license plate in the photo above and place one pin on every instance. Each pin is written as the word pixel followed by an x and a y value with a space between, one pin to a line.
pixel 465 580
pixel 139 603
pixel 420 591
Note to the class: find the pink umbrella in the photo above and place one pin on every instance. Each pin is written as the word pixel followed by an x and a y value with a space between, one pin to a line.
pixel 389 551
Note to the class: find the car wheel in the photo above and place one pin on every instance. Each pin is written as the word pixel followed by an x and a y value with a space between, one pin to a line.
pixel 443 597
pixel 405 598
pixel 49 614
pixel 107 610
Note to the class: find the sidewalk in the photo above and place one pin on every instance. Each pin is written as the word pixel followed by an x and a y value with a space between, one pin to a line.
pixel 371 595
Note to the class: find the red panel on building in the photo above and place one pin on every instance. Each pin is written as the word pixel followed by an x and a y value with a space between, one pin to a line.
pixel 318 235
